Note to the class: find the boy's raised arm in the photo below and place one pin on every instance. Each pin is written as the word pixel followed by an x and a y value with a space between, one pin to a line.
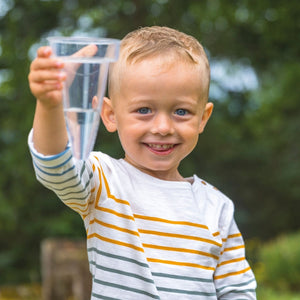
pixel 45 79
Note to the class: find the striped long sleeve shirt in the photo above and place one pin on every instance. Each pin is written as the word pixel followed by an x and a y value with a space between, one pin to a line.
pixel 148 238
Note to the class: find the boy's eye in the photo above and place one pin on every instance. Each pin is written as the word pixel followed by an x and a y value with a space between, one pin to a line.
pixel 144 110
pixel 181 112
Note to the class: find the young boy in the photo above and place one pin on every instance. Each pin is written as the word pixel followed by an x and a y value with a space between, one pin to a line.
pixel 151 234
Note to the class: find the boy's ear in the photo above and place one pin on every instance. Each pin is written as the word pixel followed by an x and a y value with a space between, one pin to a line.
pixel 206 115
pixel 108 115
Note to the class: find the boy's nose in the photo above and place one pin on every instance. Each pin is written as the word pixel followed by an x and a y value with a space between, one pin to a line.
pixel 162 124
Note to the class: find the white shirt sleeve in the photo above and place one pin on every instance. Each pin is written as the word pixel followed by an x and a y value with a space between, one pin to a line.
pixel 70 179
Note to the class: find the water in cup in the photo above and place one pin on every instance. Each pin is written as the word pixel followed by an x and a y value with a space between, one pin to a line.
pixel 83 92
pixel 86 63
pixel 83 126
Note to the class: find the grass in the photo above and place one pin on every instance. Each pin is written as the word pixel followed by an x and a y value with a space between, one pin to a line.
pixel 24 292
pixel 269 294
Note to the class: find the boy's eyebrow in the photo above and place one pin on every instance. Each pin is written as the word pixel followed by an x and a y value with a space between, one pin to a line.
pixel 186 100
pixel 136 101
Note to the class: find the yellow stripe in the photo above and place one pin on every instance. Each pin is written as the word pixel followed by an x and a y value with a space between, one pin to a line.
pixel 82 205
pixel 231 236
pixel 170 221
pixel 99 190
pixel 178 263
pixel 180 236
pixel 180 250
pixel 114 227
pixel 232 274
pixel 78 210
pixel 111 211
pixel 105 239
pixel 234 248
pixel 231 261
pixel 109 194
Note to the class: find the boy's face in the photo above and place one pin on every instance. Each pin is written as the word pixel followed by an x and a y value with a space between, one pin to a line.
pixel 158 114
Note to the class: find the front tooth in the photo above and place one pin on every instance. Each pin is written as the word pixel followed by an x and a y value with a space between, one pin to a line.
pixel 164 147
pixel 157 146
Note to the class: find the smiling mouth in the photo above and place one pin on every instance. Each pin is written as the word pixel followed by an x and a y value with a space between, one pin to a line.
pixel 161 147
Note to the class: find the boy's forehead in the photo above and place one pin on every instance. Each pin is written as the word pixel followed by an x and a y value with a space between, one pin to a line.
pixel 157 62
pixel 164 62
pixel 152 70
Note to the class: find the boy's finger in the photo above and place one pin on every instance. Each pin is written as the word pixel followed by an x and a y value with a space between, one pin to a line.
pixel 40 90
pixel 87 51
pixel 44 75
pixel 44 51
pixel 46 63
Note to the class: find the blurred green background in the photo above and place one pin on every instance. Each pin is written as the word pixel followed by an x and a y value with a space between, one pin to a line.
pixel 250 149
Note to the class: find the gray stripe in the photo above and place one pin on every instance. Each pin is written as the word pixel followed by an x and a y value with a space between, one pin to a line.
pixel 177 291
pixel 182 277
pixel 126 288
pixel 118 257
pixel 236 285
pixel 52 182
pixel 58 166
pixel 242 298
pixel 54 174
pixel 104 297
pixel 244 291
pixel 52 157
pixel 117 271
pixel 68 187
pixel 77 192
pixel 71 193
pixel 73 198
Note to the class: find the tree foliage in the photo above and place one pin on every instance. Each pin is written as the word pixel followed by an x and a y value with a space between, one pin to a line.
pixel 249 150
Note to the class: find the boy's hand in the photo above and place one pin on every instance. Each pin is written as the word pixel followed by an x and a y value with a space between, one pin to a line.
pixel 46 75
pixel 46 78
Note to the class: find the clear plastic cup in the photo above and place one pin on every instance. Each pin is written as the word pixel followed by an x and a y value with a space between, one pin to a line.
pixel 86 63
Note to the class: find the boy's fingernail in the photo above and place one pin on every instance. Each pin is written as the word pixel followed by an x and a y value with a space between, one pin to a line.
pixel 62 75
pixel 59 86
pixel 47 50
pixel 59 64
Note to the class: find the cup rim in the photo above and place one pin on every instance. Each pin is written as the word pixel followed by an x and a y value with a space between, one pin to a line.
pixel 82 40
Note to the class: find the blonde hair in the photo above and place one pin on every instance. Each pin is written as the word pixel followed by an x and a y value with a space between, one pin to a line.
pixel 154 41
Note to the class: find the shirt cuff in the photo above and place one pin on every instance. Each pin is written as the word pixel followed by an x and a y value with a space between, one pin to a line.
pixel 43 157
